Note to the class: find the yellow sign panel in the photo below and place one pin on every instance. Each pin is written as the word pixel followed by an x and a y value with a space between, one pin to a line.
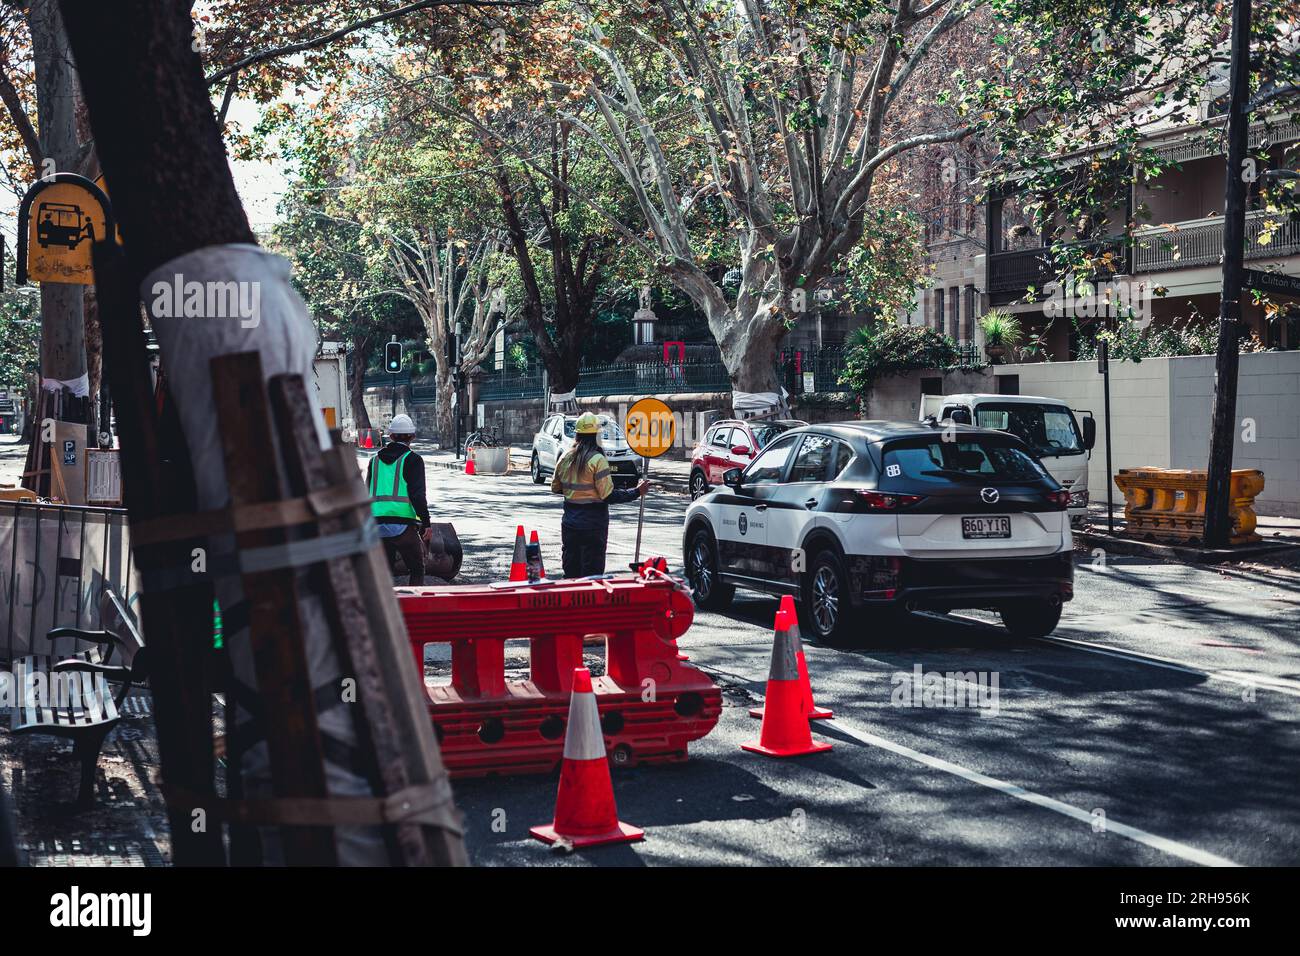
pixel 650 428
pixel 103 184
pixel 63 224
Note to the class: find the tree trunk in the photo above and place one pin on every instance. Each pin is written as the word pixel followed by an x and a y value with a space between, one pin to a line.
pixel 748 346
pixel 161 148
pixel 446 389
pixel 63 343
pixel 362 347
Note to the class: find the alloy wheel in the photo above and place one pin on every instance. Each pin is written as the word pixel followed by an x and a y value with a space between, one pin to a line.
pixel 825 599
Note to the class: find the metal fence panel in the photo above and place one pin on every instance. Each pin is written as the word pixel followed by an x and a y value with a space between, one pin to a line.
pixel 55 562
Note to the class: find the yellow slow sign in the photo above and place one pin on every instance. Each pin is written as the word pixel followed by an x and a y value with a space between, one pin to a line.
pixel 650 428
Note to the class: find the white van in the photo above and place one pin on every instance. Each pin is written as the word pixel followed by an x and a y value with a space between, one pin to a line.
pixel 1047 425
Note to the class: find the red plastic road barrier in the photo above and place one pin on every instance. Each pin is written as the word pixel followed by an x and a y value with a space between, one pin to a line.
pixel 651 704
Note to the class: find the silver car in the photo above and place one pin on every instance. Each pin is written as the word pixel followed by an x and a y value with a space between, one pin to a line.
pixel 557 436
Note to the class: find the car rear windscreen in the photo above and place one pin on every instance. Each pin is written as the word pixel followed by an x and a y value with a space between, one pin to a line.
pixel 976 459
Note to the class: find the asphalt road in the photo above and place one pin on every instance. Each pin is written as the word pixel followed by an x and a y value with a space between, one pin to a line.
pixel 1156 726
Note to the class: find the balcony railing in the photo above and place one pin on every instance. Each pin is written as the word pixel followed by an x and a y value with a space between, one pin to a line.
pixel 1014 272
pixel 1199 242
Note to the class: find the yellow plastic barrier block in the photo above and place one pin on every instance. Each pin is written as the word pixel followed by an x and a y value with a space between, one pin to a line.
pixel 1168 504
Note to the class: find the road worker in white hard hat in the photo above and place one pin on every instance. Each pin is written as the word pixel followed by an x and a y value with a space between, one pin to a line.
pixel 582 475
pixel 396 482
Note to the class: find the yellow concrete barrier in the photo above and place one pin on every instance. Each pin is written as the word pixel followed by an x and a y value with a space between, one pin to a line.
pixel 1168 504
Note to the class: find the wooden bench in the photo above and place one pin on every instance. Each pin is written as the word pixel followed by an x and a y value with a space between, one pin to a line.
pixel 78 704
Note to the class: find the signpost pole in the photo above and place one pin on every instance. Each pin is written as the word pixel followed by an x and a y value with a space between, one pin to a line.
pixel 1103 359
pixel 651 430
pixel 640 515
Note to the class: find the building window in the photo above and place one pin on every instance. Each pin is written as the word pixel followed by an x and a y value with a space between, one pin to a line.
pixel 937 322
pixel 968 320
pixel 954 313
pixel 1008 384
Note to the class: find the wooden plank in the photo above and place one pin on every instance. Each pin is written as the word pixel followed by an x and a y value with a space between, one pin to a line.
pixel 351 625
pixel 275 624
pixel 405 686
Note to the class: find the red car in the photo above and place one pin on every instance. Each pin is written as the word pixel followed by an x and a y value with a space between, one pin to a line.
pixel 731 443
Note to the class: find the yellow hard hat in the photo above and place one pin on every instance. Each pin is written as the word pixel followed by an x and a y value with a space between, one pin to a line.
pixel 588 424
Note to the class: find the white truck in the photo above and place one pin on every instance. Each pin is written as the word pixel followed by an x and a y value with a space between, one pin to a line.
pixel 331 368
pixel 1047 425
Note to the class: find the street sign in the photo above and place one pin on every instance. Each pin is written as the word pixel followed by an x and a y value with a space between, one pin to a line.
pixel 650 428
pixel 1103 356
pixel 60 219
pixel 1276 282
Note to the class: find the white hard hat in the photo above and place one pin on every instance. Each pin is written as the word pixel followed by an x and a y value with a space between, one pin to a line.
pixel 401 425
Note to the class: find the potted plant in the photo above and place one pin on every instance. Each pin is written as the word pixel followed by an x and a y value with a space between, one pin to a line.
pixel 1001 332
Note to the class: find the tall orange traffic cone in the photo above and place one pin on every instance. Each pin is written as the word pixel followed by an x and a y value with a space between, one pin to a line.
pixel 811 709
pixel 519 563
pixel 785 730
pixel 535 549
pixel 585 814
pixel 469 462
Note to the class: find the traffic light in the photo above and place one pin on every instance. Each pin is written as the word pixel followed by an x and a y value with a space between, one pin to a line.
pixel 393 357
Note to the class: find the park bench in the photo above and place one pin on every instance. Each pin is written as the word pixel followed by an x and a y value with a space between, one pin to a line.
pixel 86 711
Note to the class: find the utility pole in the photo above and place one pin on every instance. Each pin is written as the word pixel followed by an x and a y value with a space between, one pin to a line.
pixel 63 334
pixel 1223 432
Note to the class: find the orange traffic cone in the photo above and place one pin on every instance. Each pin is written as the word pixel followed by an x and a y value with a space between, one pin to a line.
pixel 811 709
pixel 519 562
pixel 585 814
pixel 535 548
pixel 785 730
pixel 368 441
pixel 469 462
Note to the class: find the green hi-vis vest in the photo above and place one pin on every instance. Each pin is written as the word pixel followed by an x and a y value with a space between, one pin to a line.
pixel 389 478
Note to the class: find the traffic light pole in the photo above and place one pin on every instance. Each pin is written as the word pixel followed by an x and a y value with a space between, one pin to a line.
pixel 393 362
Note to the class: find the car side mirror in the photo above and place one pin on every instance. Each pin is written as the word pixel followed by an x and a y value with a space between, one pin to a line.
pixel 961 416
pixel 731 477
pixel 740 449
pixel 1089 432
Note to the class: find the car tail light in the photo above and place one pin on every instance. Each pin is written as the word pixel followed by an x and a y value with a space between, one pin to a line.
pixel 1061 499
pixel 879 501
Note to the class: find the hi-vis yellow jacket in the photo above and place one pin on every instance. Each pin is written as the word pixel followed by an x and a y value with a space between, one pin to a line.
pixel 591 487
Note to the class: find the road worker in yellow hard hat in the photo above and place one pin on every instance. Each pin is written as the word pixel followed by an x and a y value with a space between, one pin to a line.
pixel 582 475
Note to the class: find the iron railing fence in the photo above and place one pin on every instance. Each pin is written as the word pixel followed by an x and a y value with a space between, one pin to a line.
pixel 655 377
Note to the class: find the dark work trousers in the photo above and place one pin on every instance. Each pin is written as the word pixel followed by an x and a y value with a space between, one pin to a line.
pixel 409 546
pixel 584 550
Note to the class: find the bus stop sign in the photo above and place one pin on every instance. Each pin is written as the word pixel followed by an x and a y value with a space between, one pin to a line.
pixel 60 220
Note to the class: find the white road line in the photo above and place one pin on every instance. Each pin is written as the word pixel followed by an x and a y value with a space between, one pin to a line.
pixel 1180 850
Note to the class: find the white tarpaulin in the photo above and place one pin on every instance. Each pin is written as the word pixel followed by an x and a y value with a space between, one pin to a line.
pixel 260 312
pixel 757 404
